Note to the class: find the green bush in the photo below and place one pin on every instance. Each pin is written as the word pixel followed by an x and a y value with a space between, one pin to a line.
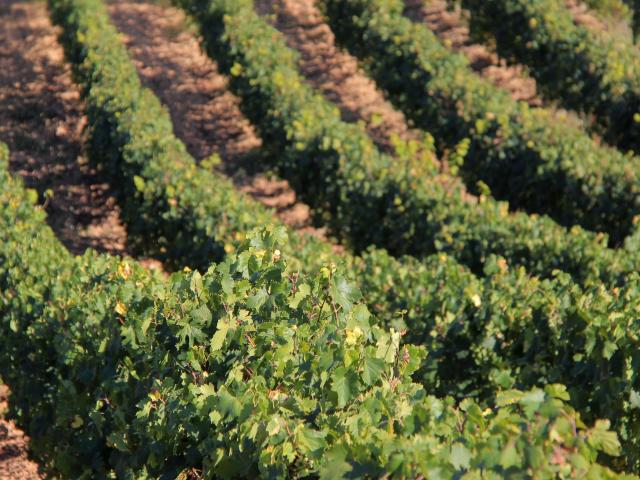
pixel 241 372
pixel 447 308
pixel 175 211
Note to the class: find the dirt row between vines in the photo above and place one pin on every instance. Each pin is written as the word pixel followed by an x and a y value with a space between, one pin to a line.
pixel 14 463
pixel 205 114
pixel 42 122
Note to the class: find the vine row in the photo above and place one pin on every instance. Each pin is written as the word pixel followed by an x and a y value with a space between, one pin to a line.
pixel 240 372
pixel 369 198
pixel 532 157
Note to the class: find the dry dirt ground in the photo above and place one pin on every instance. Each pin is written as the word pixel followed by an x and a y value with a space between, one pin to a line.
pixel 41 120
pixel 334 72
pixel 14 464
pixel 205 114
pixel 583 16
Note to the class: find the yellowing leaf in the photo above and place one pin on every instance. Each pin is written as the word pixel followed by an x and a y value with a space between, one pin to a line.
pixel 155 395
pixel 273 427
pixel 601 438
pixel 121 308
pixel 353 336
pixel 139 183
pixel 475 299
pixel 77 422
pixel 124 270
pixel 236 70
pixel 460 456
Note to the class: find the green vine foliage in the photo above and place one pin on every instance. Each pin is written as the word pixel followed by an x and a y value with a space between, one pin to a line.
pixel 242 371
pixel 517 151
pixel 435 295
pixel 613 10
pixel 186 215
pixel 442 302
pixel 335 167
pixel 251 369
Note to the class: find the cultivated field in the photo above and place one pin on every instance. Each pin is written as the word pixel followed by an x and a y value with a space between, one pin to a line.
pixel 319 239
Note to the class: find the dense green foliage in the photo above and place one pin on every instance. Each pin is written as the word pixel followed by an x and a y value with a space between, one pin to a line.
pixel 241 372
pixel 455 316
pixel 592 72
pixel 531 157
pixel 284 359
pixel 174 211
pixel 335 167
pixel 179 212
pixel 616 13
pixel 425 290
pixel 611 9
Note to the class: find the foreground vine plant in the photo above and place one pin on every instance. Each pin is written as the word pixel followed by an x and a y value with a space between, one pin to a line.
pixel 243 371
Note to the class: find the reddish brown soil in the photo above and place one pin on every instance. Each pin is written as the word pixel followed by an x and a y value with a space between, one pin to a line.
pixel 334 72
pixel 41 120
pixel 452 29
pixel 582 15
pixel 14 462
pixel 206 116
pixel 614 26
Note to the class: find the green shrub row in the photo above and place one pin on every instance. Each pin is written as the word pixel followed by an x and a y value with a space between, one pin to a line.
pixel 446 308
pixel 371 198
pixel 241 372
pixel 511 331
pixel 131 136
pixel 534 158
pixel 182 214
pixel 120 109
pixel 612 10
pixel 174 211
pixel 591 72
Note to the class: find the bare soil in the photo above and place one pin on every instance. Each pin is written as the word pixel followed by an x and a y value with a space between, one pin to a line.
pixel 205 114
pixel 42 122
pixel 582 15
pixel 452 29
pixel 14 444
pixel 617 27
pixel 334 72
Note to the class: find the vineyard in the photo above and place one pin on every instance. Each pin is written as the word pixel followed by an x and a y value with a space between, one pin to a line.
pixel 319 239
